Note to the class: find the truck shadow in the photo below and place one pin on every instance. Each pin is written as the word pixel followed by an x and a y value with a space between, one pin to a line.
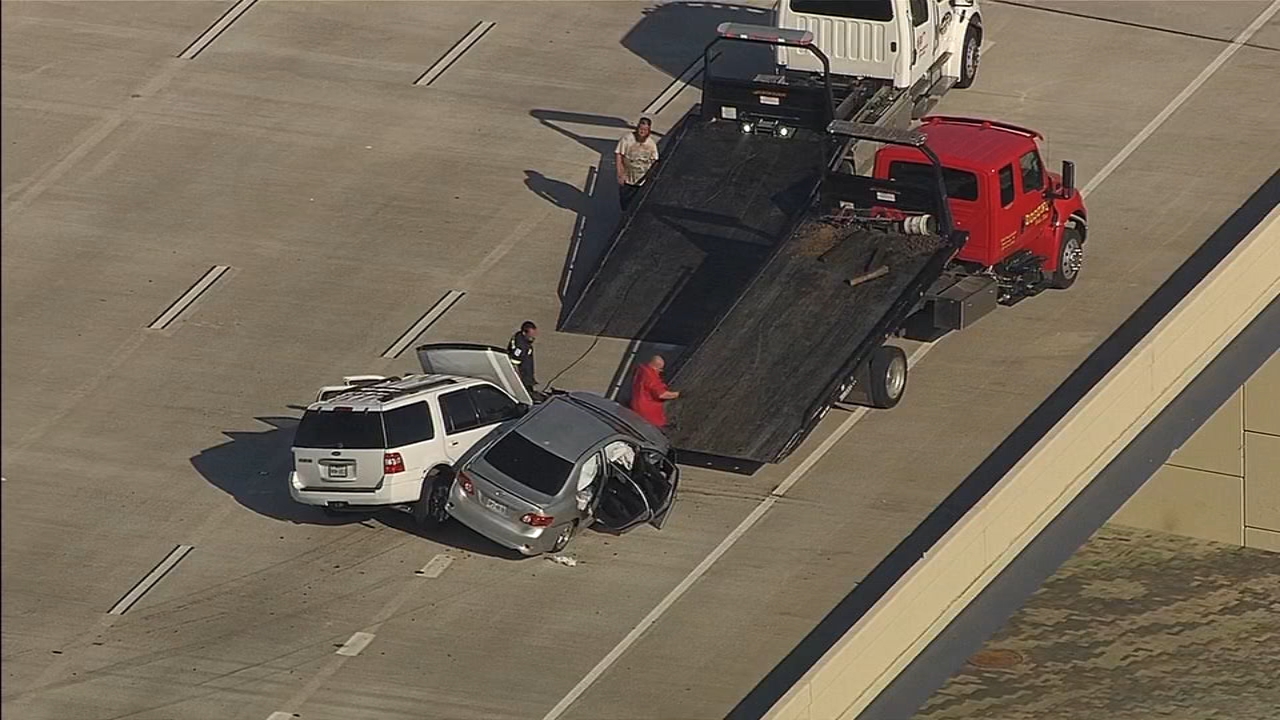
pixel 596 203
pixel 253 467
pixel 671 36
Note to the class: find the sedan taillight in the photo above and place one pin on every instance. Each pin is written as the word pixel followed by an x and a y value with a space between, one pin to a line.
pixel 536 520
pixel 465 483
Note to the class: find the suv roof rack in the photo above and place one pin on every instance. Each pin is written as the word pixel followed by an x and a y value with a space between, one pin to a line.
pixel 391 389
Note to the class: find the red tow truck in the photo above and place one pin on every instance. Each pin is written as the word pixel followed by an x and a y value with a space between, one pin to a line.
pixel 1025 226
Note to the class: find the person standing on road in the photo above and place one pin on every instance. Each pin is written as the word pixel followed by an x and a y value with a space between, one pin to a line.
pixel 636 153
pixel 649 391
pixel 520 350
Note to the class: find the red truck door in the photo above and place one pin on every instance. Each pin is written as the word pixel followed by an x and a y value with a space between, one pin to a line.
pixel 1023 212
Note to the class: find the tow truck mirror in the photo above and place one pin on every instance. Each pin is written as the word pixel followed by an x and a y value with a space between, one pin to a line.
pixel 1068 178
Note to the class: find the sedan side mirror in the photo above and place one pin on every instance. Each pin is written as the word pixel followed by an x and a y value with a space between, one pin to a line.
pixel 1068 178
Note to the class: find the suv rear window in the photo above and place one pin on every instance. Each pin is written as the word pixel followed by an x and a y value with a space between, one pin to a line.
pixel 961 185
pixel 335 429
pixel 522 460
pixel 881 10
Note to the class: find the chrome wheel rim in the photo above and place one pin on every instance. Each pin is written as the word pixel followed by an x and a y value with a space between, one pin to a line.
pixel 896 377
pixel 1072 258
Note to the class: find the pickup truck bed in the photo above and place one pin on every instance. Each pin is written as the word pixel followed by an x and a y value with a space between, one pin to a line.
pixel 754 382
pixel 712 213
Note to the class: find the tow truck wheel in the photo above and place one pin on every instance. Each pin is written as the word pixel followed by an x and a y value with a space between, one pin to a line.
pixel 969 57
pixel 888 376
pixel 1070 259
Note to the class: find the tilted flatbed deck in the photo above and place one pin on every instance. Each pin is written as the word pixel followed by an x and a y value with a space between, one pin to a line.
pixel 752 388
pixel 709 218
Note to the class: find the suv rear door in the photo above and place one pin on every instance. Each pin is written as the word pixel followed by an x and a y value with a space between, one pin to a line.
pixel 339 450
pixel 471 413
pixel 483 362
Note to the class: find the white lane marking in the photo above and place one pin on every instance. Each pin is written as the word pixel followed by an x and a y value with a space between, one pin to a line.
pixel 1182 97
pixel 436 566
pixel 357 642
pixel 411 588
pixel 179 306
pixel 730 540
pixel 148 582
pixel 449 58
pixel 216 29
pixel 442 306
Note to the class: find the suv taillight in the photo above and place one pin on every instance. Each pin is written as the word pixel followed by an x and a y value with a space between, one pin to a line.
pixel 465 483
pixel 392 463
pixel 536 520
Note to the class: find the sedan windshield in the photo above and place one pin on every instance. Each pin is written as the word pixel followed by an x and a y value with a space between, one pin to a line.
pixel 522 460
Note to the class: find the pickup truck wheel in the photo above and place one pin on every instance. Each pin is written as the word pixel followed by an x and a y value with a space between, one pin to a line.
pixel 1070 259
pixel 970 55
pixel 888 376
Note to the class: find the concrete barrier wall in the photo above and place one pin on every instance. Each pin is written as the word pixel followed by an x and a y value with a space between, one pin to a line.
pixel 1223 484
pixel 925 599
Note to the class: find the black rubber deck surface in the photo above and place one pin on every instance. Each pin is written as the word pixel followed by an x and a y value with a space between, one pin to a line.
pixel 748 387
pixel 720 203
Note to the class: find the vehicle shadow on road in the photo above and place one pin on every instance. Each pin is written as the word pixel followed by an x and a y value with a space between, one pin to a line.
pixel 672 36
pixel 595 203
pixel 253 467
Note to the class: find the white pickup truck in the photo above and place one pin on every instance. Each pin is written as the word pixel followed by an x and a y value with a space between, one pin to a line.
pixel 928 46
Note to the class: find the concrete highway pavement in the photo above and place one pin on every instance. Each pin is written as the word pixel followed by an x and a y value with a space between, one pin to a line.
pixel 296 150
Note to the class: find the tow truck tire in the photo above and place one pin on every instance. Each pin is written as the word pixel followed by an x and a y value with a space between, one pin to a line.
pixel 1070 259
pixel 970 55
pixel 888 376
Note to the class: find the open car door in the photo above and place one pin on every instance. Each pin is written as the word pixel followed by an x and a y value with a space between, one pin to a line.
pixel 484 362
pixel 621 505
pixel 658 478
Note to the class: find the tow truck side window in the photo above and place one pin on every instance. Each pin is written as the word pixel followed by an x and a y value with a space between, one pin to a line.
pixel 960 184
pixel 880 10
pixel 1006 185
pixel 1032 172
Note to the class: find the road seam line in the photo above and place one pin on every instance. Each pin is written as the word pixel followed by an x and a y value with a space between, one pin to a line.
pixel 1181 98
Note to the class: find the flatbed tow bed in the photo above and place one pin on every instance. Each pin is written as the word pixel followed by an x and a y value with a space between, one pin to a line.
pixel 758 383
pixel 778 272
pixel 721 201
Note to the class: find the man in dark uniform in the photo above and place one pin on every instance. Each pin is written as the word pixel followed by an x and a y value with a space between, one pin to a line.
pixel 520 350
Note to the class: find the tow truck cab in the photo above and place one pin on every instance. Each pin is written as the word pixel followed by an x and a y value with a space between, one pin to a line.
pixel 1025 225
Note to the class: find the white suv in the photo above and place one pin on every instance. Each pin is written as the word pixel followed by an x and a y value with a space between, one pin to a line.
pixel 372 442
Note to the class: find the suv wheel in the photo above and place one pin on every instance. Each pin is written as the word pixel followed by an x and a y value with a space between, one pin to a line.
pixel 430 508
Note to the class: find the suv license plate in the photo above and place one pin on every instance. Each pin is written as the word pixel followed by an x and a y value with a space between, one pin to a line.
pixel 337 471
pixel 495 506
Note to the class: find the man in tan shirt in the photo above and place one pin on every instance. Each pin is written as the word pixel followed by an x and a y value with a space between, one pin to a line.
pixel 636 153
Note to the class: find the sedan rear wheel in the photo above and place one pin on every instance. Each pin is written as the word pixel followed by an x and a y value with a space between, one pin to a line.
pixel 566 534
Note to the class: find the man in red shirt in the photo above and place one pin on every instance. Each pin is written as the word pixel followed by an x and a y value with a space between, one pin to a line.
pixel 649 392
